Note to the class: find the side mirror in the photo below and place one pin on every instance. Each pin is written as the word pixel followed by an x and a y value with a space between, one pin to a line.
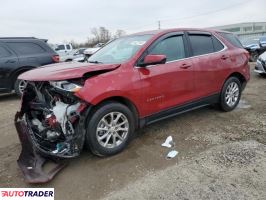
pixel 153 60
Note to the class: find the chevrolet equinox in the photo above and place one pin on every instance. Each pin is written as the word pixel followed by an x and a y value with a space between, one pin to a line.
pixel 131 82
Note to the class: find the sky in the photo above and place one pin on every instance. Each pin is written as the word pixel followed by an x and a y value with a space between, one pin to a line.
pixel 65 20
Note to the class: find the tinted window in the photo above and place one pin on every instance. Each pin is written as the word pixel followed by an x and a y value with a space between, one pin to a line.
pixel 172 48
pixel 201 44
pixel 4 52
pixel 232 39
pixel 26 48
pixel 218 46
pixel 81 51
pixel 60 47
pixel 68 46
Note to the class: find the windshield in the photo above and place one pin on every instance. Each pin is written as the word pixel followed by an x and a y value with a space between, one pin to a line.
pixel 119 50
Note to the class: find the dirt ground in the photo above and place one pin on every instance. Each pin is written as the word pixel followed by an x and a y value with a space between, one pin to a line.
pixel 221 156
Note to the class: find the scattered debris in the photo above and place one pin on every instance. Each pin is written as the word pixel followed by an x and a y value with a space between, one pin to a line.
pixel 243 104
pixel 168 142
pixel 172 154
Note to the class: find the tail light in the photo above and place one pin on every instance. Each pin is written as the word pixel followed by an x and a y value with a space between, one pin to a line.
pixel 55 58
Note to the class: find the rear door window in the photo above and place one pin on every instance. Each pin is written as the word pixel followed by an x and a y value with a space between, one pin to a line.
pixel 26 48
pixel 172 47
pixel 4 52
pixel 201 44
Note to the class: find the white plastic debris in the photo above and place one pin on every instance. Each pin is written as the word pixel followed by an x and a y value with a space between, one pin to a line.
pixel 59 111
pixel 243 104
pixel 37 122
pixel 168 142
pixel 172 154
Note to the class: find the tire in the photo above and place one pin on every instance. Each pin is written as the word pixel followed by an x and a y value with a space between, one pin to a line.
pixel 98 131
pixel 231 90
pixel 262 75
pixel 18 87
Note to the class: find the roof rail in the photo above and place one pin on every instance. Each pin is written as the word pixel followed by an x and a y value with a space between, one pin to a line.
pixel 18 38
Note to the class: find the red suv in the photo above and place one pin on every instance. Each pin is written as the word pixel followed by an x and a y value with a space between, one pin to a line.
pixel 131 82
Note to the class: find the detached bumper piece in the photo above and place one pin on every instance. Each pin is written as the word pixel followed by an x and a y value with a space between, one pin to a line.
pixel 30 161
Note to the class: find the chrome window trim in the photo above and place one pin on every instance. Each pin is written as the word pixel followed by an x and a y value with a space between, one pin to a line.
pixel 225 48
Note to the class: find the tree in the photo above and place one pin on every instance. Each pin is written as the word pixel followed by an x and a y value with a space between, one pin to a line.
pixel 99 35
pixel 119 33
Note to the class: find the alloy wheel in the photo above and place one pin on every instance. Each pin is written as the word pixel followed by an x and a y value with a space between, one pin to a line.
pixel 112 130
pixel 22 85
pixel 232 94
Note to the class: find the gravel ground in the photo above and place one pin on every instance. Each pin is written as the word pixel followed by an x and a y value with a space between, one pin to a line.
pixel 230 171
pixel 221 156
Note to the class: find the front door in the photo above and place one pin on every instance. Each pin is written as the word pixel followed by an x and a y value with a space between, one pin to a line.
pixel 170 84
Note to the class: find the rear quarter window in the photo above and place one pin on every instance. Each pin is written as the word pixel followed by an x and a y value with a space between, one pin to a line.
pixel 218 46
pixel 232 39
pixel 26 48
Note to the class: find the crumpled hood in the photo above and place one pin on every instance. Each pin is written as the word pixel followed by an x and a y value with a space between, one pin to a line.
pixel 64 71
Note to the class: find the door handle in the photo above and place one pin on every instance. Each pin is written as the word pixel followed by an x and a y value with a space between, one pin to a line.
pixel 185 66
pixel 224 57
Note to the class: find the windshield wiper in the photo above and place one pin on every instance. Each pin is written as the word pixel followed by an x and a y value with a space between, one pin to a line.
pixel 94 61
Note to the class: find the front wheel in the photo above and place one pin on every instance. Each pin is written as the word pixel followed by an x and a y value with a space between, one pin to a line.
pixel 231 94
pixel 110 129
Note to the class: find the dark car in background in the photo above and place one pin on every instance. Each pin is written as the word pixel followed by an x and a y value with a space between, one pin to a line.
pixel 20 54
pixel 255 46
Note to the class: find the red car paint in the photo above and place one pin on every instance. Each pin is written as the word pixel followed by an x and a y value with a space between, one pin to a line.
pixel 152 89
pixel 63 71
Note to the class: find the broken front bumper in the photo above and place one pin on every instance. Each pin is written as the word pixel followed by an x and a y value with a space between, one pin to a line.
pixel 30 161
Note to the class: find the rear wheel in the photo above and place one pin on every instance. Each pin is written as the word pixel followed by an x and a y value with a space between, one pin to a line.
pixel 20 86
pixel 231 94
pixel 110 129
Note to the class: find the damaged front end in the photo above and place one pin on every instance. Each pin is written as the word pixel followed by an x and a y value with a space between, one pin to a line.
pixel 50 125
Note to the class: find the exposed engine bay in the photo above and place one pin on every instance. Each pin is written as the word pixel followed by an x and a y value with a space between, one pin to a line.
pixel 54 117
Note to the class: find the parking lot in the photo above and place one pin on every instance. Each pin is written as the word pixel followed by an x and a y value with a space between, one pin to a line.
pixel 220 155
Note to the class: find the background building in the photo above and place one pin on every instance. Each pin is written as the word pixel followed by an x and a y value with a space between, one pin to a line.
pixel 245 30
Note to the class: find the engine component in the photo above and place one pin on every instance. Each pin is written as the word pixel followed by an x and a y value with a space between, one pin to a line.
pixel 52 135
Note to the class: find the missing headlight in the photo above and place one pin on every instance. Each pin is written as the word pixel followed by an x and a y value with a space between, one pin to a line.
pixel 65 85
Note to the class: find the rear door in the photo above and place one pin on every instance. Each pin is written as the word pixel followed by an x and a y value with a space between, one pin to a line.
pixel 170 84
pixel 206 57
pixel 8 63
pixel 30 53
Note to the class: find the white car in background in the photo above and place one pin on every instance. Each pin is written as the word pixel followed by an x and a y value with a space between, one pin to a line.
pixel 260 67
pixel 88 52
pixel 63 48
pixel 74 55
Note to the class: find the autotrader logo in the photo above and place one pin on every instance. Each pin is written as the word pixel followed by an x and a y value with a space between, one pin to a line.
pixel 27 193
